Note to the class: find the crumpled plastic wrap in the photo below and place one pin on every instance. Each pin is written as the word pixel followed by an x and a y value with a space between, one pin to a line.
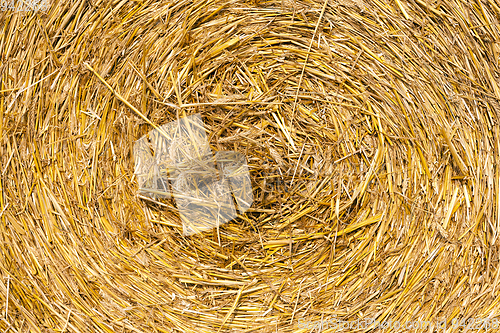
pixel 175 161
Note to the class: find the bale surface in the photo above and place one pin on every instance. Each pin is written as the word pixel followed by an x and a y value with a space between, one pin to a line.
pixel 371 131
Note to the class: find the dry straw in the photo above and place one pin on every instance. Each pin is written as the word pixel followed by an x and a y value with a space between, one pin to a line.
pixel 370 127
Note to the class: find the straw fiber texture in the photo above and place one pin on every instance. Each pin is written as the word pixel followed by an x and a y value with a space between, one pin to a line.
pixel 371 131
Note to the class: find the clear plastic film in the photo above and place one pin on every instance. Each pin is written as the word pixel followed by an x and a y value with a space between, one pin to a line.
pixel 176 162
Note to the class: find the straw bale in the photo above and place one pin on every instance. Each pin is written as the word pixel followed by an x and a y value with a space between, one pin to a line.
pixel 371 132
